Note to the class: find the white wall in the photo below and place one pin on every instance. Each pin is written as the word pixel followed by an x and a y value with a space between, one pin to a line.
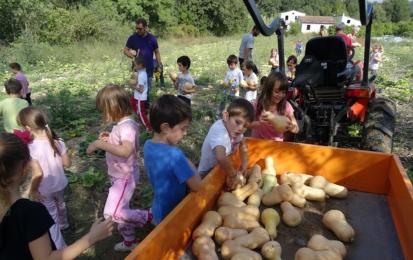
pixel 348 21
pixel 314 28
pixel 291 16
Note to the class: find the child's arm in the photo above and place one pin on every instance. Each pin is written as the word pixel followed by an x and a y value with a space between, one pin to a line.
pixel 37 175
pixel 227 166
pixel 66 160
pixel 194 183
pixel 244 157
pixel 41 248
pixel 294 125
pixel 125 149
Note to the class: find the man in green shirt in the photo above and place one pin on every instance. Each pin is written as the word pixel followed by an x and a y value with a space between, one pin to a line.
pixel 11 106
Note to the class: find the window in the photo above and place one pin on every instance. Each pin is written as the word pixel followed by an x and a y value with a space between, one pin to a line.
pixel 348 21
pixel 286 17
pixel 308 27
pixel 296 18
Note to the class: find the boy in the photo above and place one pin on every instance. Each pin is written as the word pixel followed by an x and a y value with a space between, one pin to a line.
pixel 251 82
pixel 11 106
pixel 140 92
pixel 168 169
pixel 223 138
pixel 184 79
pixel 234 76
pixel 16 69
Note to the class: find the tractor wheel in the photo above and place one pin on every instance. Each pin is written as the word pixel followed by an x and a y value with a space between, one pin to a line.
pixel 379 126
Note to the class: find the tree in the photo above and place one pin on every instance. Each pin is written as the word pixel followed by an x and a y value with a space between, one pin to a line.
pixel 397 10
pixel 269 8
pixel 379 14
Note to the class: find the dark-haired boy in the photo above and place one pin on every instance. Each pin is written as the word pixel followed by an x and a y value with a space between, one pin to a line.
pixel 234 76
pixel 184 78
pixel 11 106
pixel 224 136
pixel 169 170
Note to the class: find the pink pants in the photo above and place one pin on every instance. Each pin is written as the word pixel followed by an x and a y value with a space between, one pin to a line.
pixel 56 206
pixel 117 206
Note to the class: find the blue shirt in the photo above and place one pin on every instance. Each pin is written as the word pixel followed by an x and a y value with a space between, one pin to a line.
pixel 146 46
pixel 168 170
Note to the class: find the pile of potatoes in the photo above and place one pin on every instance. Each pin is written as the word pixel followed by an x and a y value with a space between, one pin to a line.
pixel 241 230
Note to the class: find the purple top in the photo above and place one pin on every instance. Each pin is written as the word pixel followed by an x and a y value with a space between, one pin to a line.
pixel 146 46
pixel 25 83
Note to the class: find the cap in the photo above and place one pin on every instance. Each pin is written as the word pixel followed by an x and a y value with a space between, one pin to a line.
pixel 340 26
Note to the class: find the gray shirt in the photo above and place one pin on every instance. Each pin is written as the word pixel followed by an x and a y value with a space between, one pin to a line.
pixel 247 42
pixel 182 79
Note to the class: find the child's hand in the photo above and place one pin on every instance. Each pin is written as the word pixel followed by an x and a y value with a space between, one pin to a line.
pixel 235 181
pixel 100 229
pixel 91 148
pixel 104 136
pixel 133 52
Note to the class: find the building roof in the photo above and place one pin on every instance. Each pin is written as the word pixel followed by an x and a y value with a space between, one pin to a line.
pixel 317 19
pixel 293 11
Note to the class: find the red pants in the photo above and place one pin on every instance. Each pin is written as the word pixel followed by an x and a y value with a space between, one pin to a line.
pixel 139 108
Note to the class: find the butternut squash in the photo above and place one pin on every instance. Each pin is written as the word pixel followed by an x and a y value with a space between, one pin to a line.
pixel 225 233
pixel 306 253
pixel 241 256
pixel 255 198
pixel 291 216
pixel 210 221
pixel 269 175
pixel 270 219
pixel 173 76
pixel 256 239
pixel 319 242
pixel 231 248
pixel 291 178
pixel 204 248
pixel 253 211
pixel 234 221
pixel 246 191
pixel 271 250
pixel 229 199
pixel 336 222
pixel 272 198
pixel 255 175
pixel 332 190
pixel 308 192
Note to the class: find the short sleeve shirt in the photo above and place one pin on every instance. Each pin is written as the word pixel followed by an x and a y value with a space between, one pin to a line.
pixel 234 77
pixel 247 42
pixel 119 167
pixel 168 170
pixel 217 136
pixel 182 79
pixel 23 223
pixel 146 46
pixel 9 109
pixel 347 41
pixel 251 95
pixel 25 83
pixel 54 178
pixel 266 130
pixel 142 81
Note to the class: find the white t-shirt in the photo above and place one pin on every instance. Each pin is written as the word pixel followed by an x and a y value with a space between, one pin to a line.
pixel 142 81
pixel 217 136
pixel 374 63
pixel 246 42
pixel 182 79
pixel 251 95
pixel 235 77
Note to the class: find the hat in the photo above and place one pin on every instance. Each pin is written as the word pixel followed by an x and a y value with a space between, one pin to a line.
pixel 340 26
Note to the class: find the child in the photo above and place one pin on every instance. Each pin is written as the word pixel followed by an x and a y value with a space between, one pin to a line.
pixel 223 138
pixel 291 64
pixel 49 180
pixel 11 106
pixel 141 91
pixel 168 169
pixel 234 76
pixel 375 59
pixel 25 224
pixel 274 114
pixel 274 60
pixel 121 146
pixel 184 77
pixel 298 48
pixel 16 69
pixel 251 82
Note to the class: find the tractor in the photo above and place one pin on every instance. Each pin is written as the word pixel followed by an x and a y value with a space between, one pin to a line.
pixel 329 102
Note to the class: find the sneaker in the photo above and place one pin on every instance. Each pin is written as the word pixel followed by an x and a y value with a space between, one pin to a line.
pixel 125 246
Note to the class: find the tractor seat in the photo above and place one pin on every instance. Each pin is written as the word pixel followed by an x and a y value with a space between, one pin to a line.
pixel 325 64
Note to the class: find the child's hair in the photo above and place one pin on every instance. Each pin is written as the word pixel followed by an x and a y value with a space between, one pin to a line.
pixel 13 86
pixel 292 58
pixel 185 61
pixel 264 100
pixel 36 119
pixel 232 59
pixel 169 109
pixel 139 60
pixel 249 65
pixel 13 153
pixel 15 66
pixel 272 50
pixel 241 107
pixel 113 102
pixel 377 46
pixel 262 80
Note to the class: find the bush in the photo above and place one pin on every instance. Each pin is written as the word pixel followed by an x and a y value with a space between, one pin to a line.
pixel 293 29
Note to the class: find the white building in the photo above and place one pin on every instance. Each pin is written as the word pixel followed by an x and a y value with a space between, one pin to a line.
pixel 291 16
pixel 312 24
pixel 348 21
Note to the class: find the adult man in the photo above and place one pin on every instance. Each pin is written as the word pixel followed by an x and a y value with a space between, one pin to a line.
pixel 247 44
pixel 144 44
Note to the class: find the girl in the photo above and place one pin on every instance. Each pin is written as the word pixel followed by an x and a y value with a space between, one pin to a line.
pixel 291 64
pixel 251 81
pixel 141 92
pixel 273 61
pixel 375 59
pixel 25 224
pixel 49 180
pixel 275 114
pixel 121 146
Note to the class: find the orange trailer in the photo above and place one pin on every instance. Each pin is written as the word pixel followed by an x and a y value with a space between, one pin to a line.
pixel 364 171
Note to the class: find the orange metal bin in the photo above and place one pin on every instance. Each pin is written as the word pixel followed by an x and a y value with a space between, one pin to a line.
pixel 357 170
